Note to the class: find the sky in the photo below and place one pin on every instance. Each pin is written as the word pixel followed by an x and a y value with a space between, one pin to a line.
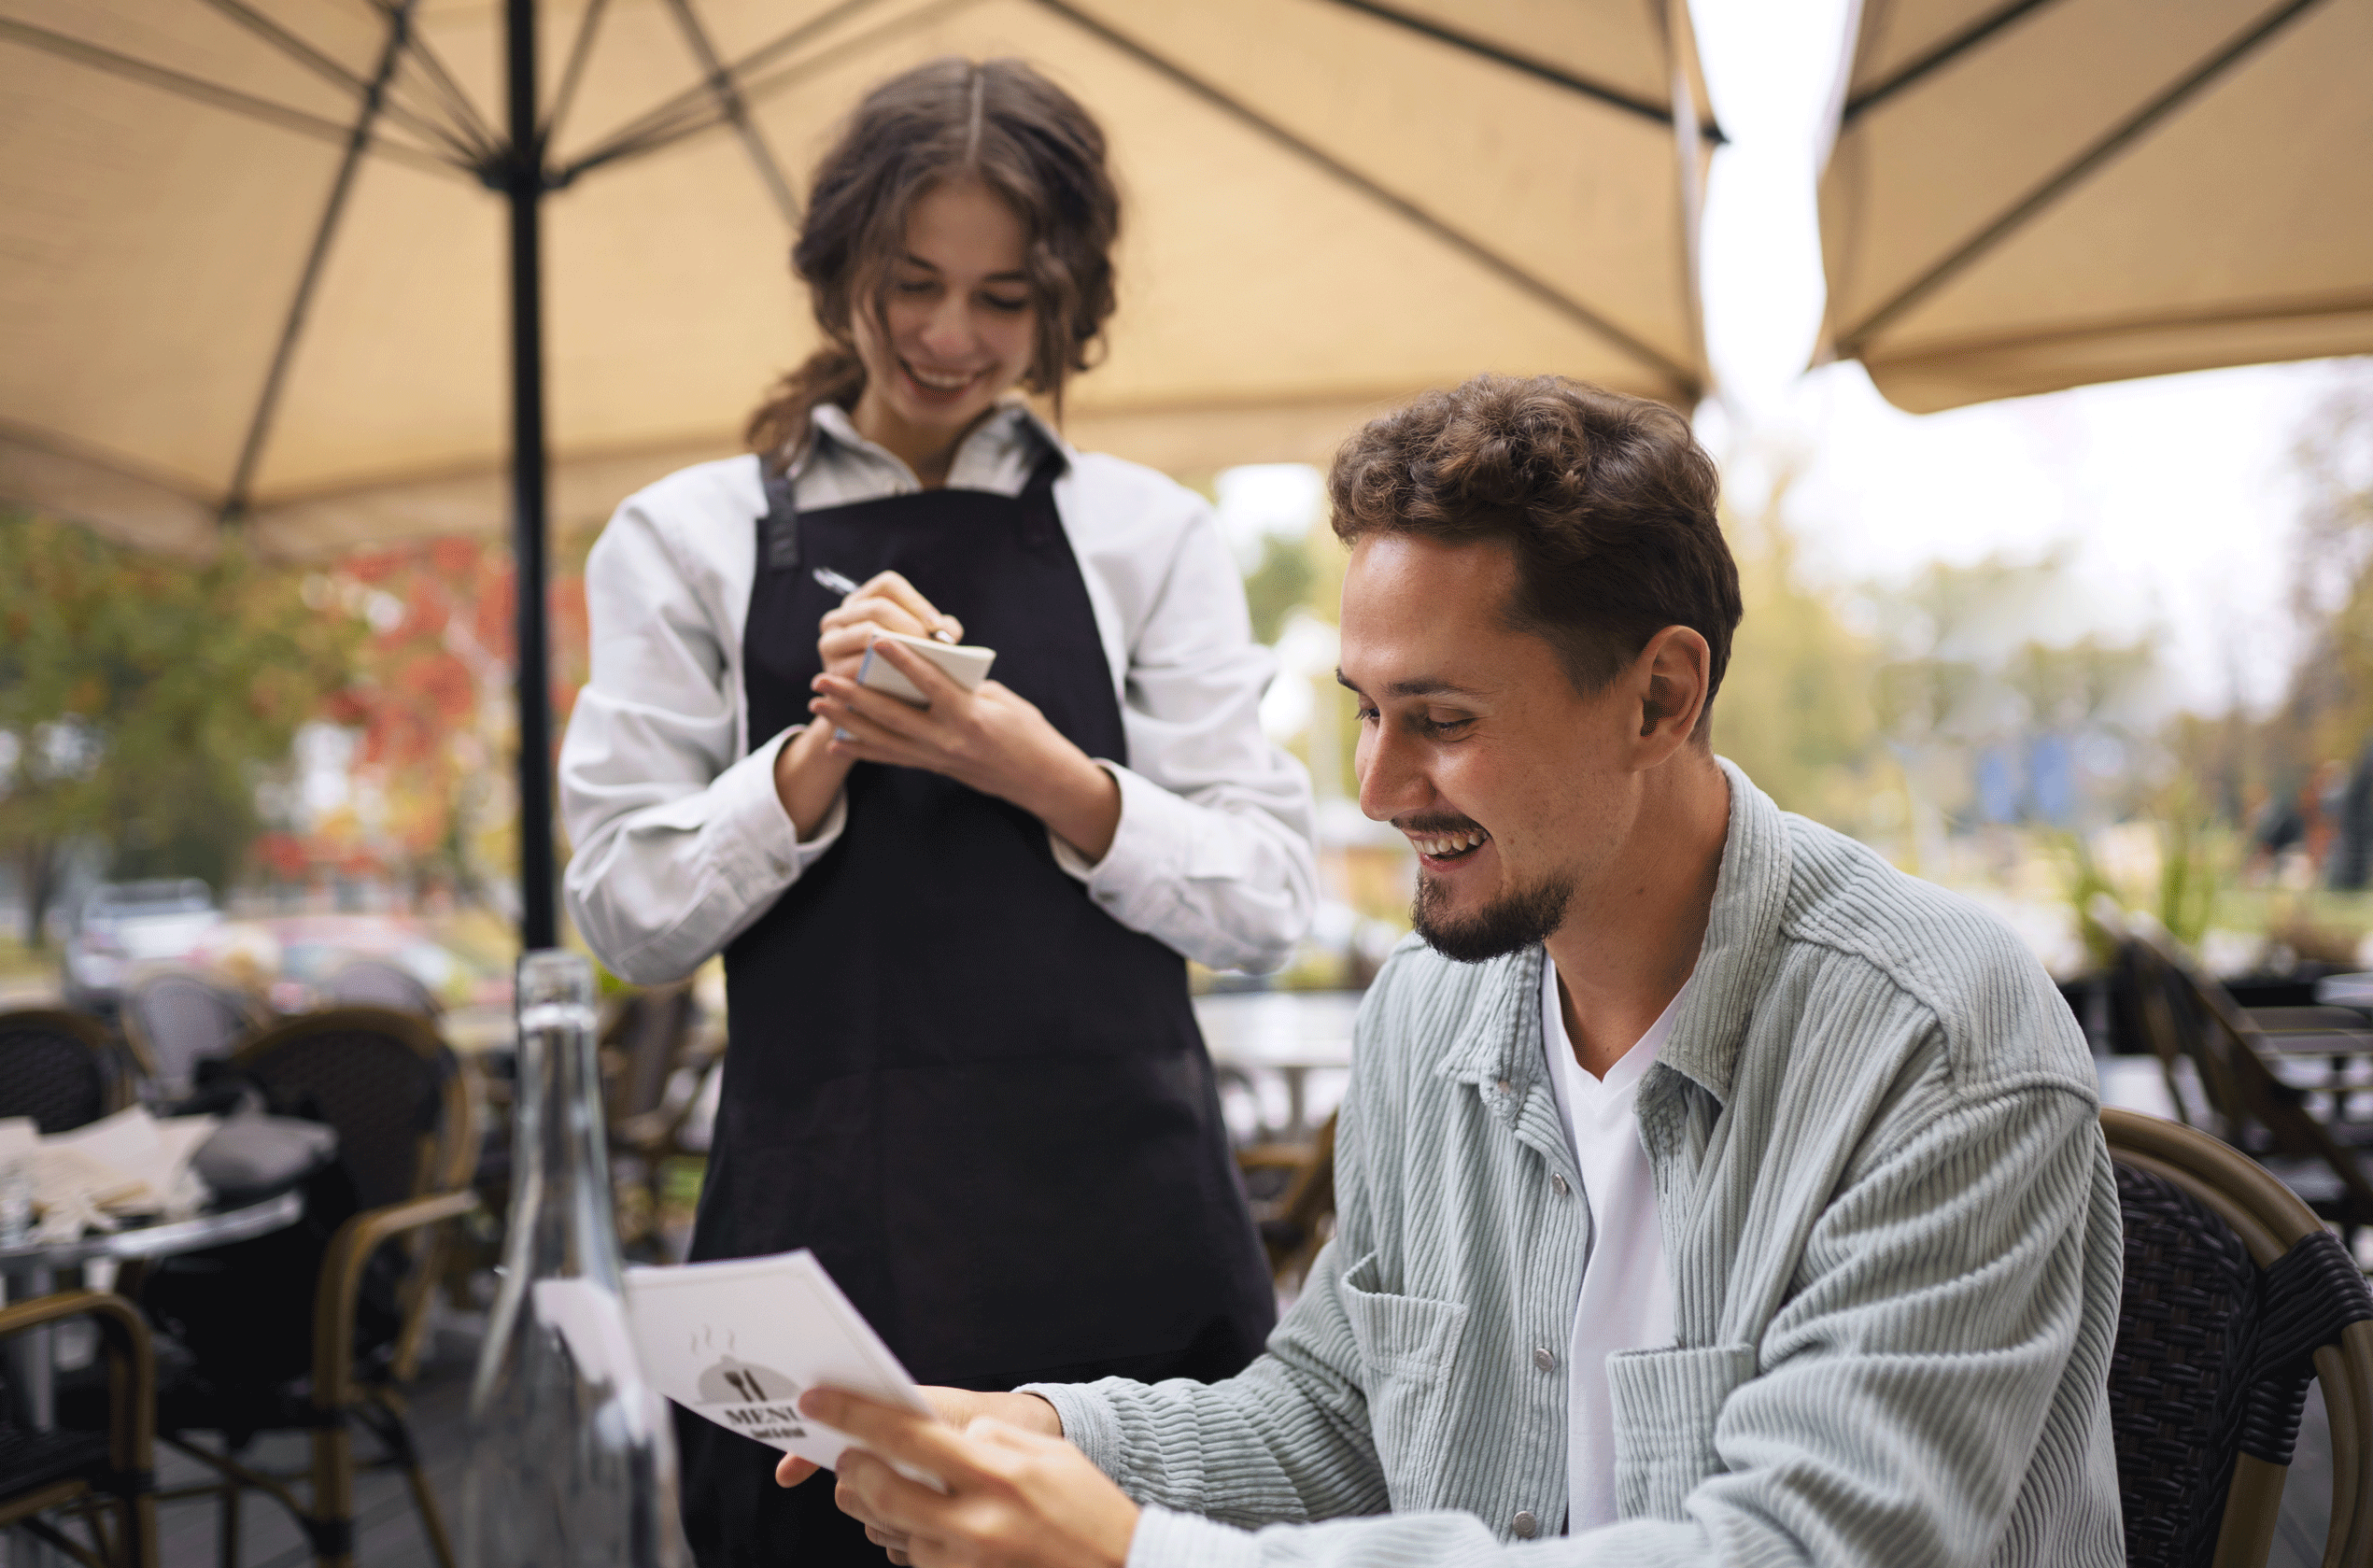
pixel 2171 497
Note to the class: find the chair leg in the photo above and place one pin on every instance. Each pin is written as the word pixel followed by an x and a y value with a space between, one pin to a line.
pixel 432 1520
pixel 332 1523
pixel 140 1531
pixel 226 1522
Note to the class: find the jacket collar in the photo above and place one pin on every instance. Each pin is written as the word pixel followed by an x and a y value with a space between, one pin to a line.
pixel 1500 1041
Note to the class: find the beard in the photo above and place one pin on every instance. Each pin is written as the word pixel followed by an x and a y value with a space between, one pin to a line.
pixel 1510 924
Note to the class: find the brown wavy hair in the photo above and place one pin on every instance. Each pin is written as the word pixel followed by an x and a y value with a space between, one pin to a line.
pixel 1607 500
pixel 996 121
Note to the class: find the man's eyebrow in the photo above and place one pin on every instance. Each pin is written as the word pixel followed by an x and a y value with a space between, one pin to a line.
pixel 1433 687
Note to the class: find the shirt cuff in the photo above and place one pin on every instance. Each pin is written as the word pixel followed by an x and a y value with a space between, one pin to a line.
pixel 751 818
pixel 1163 1539
pixel 1149 849
pixel 1088 1424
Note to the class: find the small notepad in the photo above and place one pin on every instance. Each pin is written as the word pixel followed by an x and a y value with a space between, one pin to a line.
pixel 964 664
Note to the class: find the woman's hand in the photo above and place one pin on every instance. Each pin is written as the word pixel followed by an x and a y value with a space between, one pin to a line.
pixel 993 739
pixel 808 776
pixel 1010 1496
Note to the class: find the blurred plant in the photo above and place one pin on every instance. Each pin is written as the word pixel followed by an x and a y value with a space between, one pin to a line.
pixel 1281 583
pixel 2085 885
pixel 143 697
pixel 2190 866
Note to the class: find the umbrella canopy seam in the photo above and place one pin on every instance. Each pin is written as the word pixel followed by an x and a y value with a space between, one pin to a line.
pixel 1681 380
pixel 1661 114
pixel 331 71
pixel 218 96
pixel 2074 172
pixel 730 103
pixel 1940 56
pixel 234 500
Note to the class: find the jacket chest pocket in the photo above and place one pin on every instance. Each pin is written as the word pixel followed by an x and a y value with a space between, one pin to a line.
pixel 1407 1345
pixel 1666 1403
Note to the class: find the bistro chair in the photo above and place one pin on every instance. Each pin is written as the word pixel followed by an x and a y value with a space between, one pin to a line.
pixel 172 1021
pixel 1291 1188
pixel 650 1077
pixel 2236 1297
pixel 59 1069
pixel 96 1474
pixel 375 983
pixel 396 1096
pixel 2193 1025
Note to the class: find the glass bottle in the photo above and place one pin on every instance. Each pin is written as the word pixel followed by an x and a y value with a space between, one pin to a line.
pixel 571 1457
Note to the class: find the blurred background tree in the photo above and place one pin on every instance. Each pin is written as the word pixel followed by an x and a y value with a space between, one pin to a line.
pixel 142 698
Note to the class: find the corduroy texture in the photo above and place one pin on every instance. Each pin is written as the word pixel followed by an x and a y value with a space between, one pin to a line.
pixel 1892 1227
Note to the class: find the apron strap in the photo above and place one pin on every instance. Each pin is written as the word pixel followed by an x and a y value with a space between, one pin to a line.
pixel 1042 525
pixel 779 528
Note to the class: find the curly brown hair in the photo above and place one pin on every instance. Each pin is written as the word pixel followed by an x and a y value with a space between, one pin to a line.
pixel 1607 501
pixel 998 121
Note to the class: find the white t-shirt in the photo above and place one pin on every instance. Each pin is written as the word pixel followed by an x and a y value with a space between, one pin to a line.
pixel 1627 1291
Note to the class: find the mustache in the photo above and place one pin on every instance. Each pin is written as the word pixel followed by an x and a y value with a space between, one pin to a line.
pixel 1422 823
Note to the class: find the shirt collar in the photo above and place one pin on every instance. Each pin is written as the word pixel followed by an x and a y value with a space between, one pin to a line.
pixel 999 455
pixel 1500 1041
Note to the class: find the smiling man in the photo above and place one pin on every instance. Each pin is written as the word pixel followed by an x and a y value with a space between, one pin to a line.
pixel 1709 1191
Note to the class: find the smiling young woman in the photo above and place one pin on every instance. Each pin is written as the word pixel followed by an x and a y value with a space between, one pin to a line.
pixel 964 1068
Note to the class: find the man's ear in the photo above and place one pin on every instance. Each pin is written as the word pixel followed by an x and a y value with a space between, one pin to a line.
pixel 1675 661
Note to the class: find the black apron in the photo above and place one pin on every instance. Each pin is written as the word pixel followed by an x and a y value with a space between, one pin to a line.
pixel 980 1099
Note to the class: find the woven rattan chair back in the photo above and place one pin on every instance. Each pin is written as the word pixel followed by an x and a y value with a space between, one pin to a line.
pixel 59 1069
pixel 2236 1297
pixel 176 1021
pixel 373 982
pixel 385 1081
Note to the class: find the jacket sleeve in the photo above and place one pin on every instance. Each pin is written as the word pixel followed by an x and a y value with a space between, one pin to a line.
pixel 679 844
pixel 1213 851
pixel 1890 1415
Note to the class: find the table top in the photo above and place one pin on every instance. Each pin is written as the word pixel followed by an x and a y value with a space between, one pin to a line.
pixel 1284 1029
pixel 161 1238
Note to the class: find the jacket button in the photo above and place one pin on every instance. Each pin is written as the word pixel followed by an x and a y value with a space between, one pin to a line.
pixel 1525 1525
pixel 1544 1358
pixel 1557 1184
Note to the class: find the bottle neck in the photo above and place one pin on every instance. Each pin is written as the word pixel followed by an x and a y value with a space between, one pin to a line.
pixel 561 1225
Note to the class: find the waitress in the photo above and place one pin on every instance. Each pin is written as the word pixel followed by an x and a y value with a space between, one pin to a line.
pixel 964 1068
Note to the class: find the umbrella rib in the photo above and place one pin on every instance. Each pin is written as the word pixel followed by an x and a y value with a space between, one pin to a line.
pixel 213 94
pixel 668 133
pixel 668 116
pixel 456 102
pixel 580 51
pixel 1399 205
pixel 325 67
pixel 2125 135
pixel 730 104
pixel 234 503
pixel 1943 54
pixel 1613 97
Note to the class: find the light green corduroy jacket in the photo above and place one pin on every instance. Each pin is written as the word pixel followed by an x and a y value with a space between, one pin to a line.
pixel 1894 1239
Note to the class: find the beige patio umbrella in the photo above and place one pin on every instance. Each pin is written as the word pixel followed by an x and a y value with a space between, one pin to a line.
pixel 2040 193
pixel 280 266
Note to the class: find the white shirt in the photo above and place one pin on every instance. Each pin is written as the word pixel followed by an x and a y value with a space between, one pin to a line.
pixel 679 840
pixel 1627 1293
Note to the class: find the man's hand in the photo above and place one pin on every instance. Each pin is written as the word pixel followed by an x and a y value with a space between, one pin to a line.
pixel 1014 1498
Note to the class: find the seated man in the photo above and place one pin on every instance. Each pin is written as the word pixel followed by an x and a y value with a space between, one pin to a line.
pixel 1710 1192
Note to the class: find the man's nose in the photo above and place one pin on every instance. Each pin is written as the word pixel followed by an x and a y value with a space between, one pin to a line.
pixel 1390 781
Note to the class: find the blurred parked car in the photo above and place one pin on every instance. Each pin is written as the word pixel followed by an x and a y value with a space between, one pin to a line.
pixel 126 925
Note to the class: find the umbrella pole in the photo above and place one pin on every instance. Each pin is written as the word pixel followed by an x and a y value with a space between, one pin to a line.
pixel 525 188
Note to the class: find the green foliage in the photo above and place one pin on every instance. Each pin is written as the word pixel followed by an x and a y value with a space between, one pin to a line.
pixel 1279 585
pixel 1791 710
pixel 143 695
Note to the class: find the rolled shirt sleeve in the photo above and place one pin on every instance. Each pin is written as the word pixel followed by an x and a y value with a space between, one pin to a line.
pixel 679 844
pixel 1213 851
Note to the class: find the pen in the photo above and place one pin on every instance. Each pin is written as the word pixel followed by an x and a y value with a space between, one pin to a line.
pixel 834 582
